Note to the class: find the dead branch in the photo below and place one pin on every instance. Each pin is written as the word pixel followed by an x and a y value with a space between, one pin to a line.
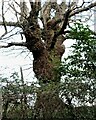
pixel 14 9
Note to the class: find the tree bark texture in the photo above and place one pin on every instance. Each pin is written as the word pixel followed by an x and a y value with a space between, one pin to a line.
pixel 47 58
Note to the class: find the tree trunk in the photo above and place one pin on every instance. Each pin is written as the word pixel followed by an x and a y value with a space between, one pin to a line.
pixel 46 59
pixel 45 65
pixel 47 51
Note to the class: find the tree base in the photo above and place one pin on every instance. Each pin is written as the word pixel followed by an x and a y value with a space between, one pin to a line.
pixel 48 104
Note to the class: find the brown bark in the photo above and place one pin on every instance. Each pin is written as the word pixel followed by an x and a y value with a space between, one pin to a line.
pixel 46 59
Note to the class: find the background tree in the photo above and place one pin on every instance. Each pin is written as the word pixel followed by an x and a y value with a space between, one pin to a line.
pixel 45 43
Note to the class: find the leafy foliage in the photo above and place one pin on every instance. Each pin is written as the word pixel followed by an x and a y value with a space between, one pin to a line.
pixel 79 71
pixel 18 97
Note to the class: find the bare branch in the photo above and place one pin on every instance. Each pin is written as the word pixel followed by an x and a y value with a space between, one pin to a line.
pixel 17 3
pixel 35 7
pixel 16 24
pixel 68 14
pixel 10 35
pixel 38 5
pixel 22 77
pixel 83 9
pixel 3 18
pixel 31 4
pixel 13 44
pixel 14 9
pixel 77 7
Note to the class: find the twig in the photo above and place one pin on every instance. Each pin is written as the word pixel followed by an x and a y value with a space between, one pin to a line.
pixel 2 37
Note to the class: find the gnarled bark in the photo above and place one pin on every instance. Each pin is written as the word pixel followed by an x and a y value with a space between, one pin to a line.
pixel 46 59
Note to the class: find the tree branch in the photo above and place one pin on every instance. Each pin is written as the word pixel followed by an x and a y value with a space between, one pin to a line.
pixel 24 11
pixel 60 10
pixel 16 24
pixel 83 9
pixel 61 31
pixel 3 18
pixel 13 44
pixel 35 7
pixel 68 14
pixel 45 13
